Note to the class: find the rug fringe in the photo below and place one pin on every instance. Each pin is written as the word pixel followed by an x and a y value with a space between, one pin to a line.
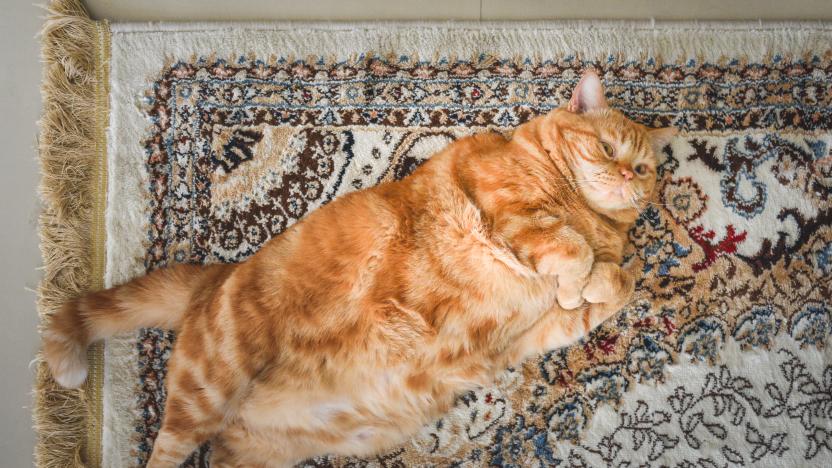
pixel 67 156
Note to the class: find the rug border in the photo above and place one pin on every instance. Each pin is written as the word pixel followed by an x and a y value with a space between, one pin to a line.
pixel 668 41
pixel 72 155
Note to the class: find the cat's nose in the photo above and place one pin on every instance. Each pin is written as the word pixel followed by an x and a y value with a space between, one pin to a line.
pixel 626 173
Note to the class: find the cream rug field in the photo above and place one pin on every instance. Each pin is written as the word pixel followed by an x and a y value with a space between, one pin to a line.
pixel 168 143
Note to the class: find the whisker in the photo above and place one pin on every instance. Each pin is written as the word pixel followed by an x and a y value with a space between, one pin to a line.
pixel 635 203
pixel 580 180
pixel 657 203
pixel 575 183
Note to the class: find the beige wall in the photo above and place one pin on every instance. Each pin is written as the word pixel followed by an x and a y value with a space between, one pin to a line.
pixel 185 10
pixel 19 107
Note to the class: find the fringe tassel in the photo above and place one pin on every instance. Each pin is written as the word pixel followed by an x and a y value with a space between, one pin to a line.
pixel 67 147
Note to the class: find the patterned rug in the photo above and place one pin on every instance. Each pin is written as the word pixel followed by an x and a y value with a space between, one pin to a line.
pixel 222 136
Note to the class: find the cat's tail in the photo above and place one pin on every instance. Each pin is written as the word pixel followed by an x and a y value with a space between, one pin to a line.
pixel 159 299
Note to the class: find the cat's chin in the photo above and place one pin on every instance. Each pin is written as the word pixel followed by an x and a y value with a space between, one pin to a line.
pixel 616 199
pixel 615 207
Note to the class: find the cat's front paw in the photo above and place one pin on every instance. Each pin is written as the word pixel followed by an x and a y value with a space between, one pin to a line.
pixel 569 300
pixel 569 258
pixel 608 284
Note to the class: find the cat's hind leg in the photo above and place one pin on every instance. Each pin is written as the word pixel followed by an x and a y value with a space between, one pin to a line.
pixel 240 446
pixel 203 390
pixel 193 415
pixel 223 456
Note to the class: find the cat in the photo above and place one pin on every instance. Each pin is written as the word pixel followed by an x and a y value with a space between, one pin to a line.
pixel 362 322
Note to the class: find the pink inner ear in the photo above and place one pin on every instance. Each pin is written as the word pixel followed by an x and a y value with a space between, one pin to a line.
pixel 588 94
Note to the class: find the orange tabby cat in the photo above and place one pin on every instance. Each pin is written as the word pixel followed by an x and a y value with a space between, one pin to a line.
pixel 362 322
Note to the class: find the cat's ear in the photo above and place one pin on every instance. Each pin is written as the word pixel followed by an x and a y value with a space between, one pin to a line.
pixel 660 137
pixel 588 95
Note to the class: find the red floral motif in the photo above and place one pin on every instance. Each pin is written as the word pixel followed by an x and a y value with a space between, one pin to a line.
pixel 565 378
pixel 645 322
pixel 669 326
pixel 589 351
pixel 726 245
pixel 607 344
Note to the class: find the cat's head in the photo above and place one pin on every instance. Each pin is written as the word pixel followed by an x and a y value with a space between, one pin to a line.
pixel 612 158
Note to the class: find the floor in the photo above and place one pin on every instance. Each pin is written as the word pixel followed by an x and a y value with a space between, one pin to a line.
pixel 20 75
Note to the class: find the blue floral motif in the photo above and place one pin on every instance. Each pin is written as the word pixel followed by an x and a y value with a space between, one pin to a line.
pixel 811 325
pixel 745 207
pixel 568 418
pixel 553 364
pixel 742 190
pixel 603 384
pixel 672 250
pixel 647 357
pixel 660 253
pixel 818 148
pixel 511 449
pixel 823 259
pixel 702 338
pixel 650 216
pixel 757 327
pixel 506 118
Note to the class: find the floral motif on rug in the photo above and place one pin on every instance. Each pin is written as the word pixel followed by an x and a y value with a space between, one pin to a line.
pixel 736 251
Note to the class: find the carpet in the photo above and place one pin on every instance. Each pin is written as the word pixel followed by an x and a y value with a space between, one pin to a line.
pixel 170 143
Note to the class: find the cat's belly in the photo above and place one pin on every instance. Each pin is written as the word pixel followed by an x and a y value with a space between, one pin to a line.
pixel 377 414
pixel 374 407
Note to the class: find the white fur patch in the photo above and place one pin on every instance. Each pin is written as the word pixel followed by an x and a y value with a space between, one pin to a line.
pixel 69 368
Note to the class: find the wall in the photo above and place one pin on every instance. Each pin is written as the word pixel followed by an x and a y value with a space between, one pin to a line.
pixel 19 109
pixel 352 10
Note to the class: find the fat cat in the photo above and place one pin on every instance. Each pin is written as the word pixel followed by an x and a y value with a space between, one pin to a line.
pixel 362 322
